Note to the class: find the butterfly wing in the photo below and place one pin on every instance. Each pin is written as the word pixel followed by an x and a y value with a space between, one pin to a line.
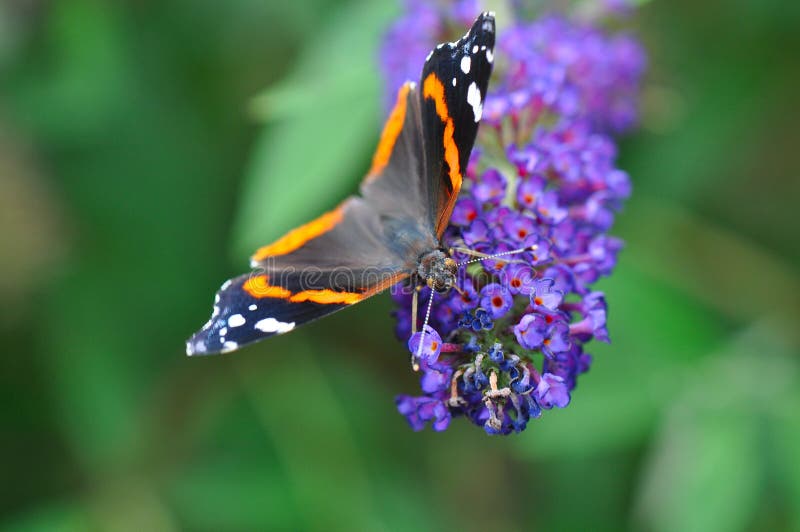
pixel 454 83
pixel 328 264
pixel 418 168
pixel 371 242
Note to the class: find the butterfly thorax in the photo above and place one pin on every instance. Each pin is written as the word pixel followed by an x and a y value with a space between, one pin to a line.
pixel 437 270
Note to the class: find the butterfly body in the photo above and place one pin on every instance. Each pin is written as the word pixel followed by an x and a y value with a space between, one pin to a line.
pixel 391 232
pixel 437 270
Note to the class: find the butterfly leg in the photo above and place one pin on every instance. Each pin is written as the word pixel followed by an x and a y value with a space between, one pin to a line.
pixel 414 303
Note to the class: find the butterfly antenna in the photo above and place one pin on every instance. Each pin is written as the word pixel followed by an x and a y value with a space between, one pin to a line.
pixel 414 358
pixel 483 256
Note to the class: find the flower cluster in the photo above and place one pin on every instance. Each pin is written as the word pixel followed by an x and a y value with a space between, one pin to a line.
pixel 539 196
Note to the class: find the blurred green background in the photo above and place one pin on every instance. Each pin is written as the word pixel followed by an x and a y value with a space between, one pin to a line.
pixel 141 160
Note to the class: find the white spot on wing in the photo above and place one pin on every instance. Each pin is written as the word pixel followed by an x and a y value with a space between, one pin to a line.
pixel 474 99
pixel 226 284
pixel 227 347
pixel 223 331
pixel 489 56
pixel 193 349
pixel 252 307
pixel 475 49
pixel 454 82
pixel 466 63
pixel 271 325
pixel 429 56
pixel 236 320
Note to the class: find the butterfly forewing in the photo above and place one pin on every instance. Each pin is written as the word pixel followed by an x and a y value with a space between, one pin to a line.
pixel 453 88
pixel 330 263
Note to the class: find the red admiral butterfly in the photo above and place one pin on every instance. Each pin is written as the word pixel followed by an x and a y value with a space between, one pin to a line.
pixel 391 232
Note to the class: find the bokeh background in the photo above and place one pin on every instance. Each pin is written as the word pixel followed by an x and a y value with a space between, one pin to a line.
pixel 146 147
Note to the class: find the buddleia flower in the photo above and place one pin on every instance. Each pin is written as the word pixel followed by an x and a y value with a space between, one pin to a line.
pixel 543 188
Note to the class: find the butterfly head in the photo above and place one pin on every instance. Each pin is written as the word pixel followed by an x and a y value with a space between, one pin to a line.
pixel 438 270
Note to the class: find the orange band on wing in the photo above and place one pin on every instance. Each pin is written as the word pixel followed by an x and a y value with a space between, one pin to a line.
pixel 259 287
pixel 297 237
pixel 326 297
pixel 392 129
pixel 433 89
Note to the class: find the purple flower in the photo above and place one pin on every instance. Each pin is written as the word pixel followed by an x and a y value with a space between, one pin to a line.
pixel 593 325
pixel 435 377
pixel 552 391
pixel 542 187
pixel 496 265
pixel 477 233
pixel 420 410
pixel 467 299
pixel 519 227
pixel 529 191
pixel 603 250
pixel 490 188
pixel 496 299
pixel 568 364
pixel 556 339
pixel 544 298
pixel 530 331
pixel 548 209
pixel 431 344
pixel 519 278
pixel 539 253
pixel 465 212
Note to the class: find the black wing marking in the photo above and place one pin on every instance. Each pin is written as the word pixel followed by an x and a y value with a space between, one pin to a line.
pixel 251 307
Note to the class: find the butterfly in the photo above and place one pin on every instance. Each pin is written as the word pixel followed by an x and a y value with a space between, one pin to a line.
pixel 391 232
